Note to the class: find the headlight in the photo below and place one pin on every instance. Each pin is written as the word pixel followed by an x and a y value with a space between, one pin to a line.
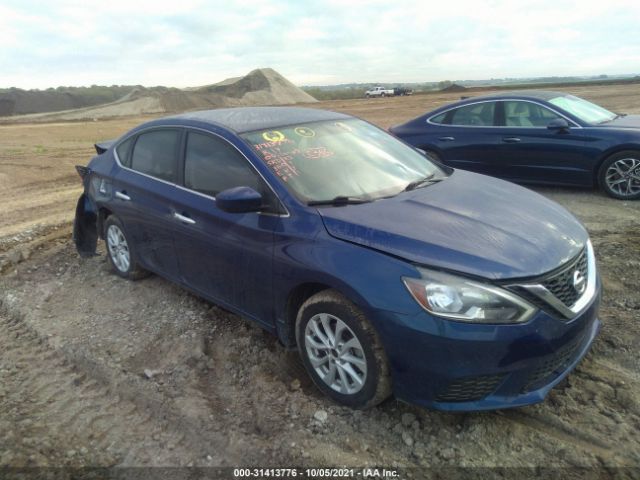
pixel 464 300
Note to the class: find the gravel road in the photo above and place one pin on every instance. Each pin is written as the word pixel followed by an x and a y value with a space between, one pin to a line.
pixel 96 370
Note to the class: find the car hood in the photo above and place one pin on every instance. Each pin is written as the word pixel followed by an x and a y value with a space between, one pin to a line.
pixel 468 223
pixel 628 121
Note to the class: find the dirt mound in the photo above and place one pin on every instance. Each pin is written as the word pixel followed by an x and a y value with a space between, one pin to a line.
pixel 15 101
pixel 260 87
pixel 454 87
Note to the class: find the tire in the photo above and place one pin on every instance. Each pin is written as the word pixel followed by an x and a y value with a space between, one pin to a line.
pixel 619 175
pixel 383 94
pixel 120 250
pixel 336 372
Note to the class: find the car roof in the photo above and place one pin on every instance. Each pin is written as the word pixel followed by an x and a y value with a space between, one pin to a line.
pixel 523 94
pixel 533 94
pixel 248 119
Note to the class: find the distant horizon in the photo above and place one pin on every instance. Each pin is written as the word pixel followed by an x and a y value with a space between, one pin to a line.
pixel 594 77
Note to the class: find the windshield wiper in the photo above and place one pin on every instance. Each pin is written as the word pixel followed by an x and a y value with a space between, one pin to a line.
pixel 421 182
pixel 339 200
pixel 617 116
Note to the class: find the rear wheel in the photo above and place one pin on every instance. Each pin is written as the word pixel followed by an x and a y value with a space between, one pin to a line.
pixel 120 250
pixel 619 175
pixel 341 351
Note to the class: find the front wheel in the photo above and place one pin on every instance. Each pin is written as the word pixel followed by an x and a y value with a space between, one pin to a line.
pixel 341 351
pixel 619 175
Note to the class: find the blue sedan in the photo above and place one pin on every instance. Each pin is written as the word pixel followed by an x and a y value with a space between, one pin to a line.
pixel 534 137
pixel 389 273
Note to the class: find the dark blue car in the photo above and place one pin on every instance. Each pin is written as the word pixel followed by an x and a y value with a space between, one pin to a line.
pixel 534 137
pixel 389 273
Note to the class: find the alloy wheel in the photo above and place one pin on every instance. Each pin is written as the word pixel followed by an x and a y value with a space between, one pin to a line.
pixel 118 248
pixel 335 353
pixel 623 177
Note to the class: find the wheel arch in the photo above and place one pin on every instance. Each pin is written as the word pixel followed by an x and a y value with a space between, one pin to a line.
pixel 286 324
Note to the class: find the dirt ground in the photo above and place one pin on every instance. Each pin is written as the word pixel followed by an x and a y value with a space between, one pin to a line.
pixel 98 371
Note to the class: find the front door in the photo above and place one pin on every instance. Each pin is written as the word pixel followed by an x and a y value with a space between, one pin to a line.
pixel 226 257
pixel 529 151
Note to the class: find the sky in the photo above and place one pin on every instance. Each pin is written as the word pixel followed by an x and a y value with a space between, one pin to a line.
pixel 197 42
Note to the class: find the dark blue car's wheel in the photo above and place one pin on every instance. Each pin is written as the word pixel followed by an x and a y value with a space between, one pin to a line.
pixel 120 250
pixel 619 175
pixel 341 351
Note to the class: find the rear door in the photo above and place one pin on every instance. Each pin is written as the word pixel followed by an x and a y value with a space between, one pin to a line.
pixel 466 136
pixel 142 196
pixel 226 257
pixel 529 151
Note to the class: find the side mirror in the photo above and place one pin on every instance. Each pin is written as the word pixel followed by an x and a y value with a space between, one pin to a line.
pixel 559 124
pixel 239 200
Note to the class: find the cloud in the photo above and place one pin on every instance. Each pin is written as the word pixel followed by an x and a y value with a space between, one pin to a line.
pixel 194 42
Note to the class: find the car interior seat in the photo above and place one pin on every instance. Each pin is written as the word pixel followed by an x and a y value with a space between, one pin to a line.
pixel 517 114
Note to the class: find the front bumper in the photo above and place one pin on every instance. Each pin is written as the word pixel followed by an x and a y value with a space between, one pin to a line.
pixel 465 367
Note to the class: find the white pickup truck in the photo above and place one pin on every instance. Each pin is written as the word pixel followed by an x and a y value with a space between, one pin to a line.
pixel 379 92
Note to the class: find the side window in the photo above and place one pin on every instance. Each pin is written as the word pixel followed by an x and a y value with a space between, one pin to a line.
pixel 212 165
pixel 154 153
pixel 527 114
pixel 439 119
pixel 477 114
pixel 123 151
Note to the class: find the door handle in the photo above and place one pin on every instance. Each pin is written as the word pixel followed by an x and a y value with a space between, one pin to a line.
pixel 510 139
pixel 447 139
pixel 123 196
pixel 184 219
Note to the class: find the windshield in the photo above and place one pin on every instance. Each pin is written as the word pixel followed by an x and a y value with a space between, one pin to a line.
pixel 586 111
pixel 351 158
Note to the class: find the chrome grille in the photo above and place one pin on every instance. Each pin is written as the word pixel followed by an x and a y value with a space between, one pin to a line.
pixel 561 284
pixel 567 290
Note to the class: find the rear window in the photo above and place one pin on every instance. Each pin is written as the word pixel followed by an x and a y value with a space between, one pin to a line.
pixel 440 119
pixel 123 151
pixel 155 153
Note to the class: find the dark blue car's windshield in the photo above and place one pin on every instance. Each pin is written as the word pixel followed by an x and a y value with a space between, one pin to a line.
pixel 329 159
pixel 586 111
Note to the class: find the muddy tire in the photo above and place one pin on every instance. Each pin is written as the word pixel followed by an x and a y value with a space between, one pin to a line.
pixel 120 250
pixel 619 175
pixel 341 351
